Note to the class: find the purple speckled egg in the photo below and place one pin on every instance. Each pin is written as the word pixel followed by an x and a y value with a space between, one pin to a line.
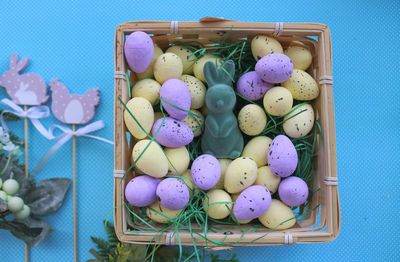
pixel 293 191
pixel 173 133
pixel 206 171
pixel 252 203
pixel 141 190
pixel 173 193
pixel 282 156
pixel 274 68
pixel 176 92
pixel 251 86
pixel 139 51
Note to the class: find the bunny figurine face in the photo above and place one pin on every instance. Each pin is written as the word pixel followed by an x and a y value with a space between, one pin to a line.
pixel 220 99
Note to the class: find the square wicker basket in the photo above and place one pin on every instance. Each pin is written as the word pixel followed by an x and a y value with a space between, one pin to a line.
pixel 322 225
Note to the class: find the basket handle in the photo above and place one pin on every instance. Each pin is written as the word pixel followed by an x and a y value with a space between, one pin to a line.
pixel 213 19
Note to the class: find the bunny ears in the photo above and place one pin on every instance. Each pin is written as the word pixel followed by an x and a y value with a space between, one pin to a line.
pixel 214 76
pixel 18 66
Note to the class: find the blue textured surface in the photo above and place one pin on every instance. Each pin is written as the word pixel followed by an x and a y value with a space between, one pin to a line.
pixel 74 42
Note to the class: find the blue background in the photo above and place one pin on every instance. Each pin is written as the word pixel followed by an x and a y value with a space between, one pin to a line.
pixel 74 41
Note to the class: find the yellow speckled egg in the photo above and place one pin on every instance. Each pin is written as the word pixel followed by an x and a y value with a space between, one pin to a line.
pixel 257 149
pixel 242 222
pixel 302 86
pixel 179 157
pixel 224 163
pixel 149 70
pixel 142 110
pixel 198 66
pixel 262 45
pixel 167 66
pixel 196 126
pixel 183 54
pixel 147 88
pixel 240 174
pixel 266 178
pixel 301 124
pixel 153 162
pixel 252 119
pixel 276 214
pixel 197 91
pixel 168 213
pixel 278 101
pixel 189 181
pixel 300 55
pixel 220 210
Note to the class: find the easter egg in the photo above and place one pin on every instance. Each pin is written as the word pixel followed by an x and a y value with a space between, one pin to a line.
pixel 300 55
pixel 299 125
pixel 252 202
pixel 257 149
pixel 278 216
pixel 172 133
pixel 23 213
pixel 185 55
pixel 15 204
pixel 149 71
pixel 167 66
pixel 187 179
pixel 10 186
pixel 302 86
pixel 139 51
pixel 172 193
pixel 148 89
pixel 278 101
pixel 161 214
pixel 206 171
pixel 266 178
pixel 282 156
pixel 141 190
pixel 274 68
pixel 293 191
pixel 152 162
pixel 224 163
pixel 198 67
pixel 240 221
pixel 176 93
pixel 179 157
pixel 196 122
pixel 3 195
pixel 240 174
pixel 142 110
pixel 217 210
pixel 197 90
pixel 262 45
pixel 251 86
pixel 252 119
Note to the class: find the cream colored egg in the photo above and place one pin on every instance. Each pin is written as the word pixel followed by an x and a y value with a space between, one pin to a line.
pixel 185 55
pixel 262 45
pixel 257 149
pixel 148 89
pixel 242 222
pixel 167 66
pixel 157 115
pixel 167 214
pixel 300 55
pixel 179 157
pixel 204 110
pixel 224 163
pixel 299 125
pixel 252 119
pixel 197 91
pixel 266 178
pixel 149 70
pixel 277 216
pixel 189 181
pixel 142 110
pixel 198 66
pixel 152 162
pixel 278 101
pixel 217 210
pixel 240 174
pixel 196 123
pixel 302 86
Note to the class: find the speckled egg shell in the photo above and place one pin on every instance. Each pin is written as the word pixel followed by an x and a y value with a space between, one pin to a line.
pixel 148 89
pixel 184 55
pixel 173 133
pixel 251 86
pixel 257 149
pixel 153 161
pixel 266 178
pixel 142 110
pixel 252 202
pixel 300 125
pixel 188 180
pixel 282 156
pixel 252 119
pixel 217 210
pixel 139 51
pixel 167 214
pixel 197 90
pixel 149 71
pixel 302 86
pixel 167 66
pixel 240 174
pixel 206 171
pixel 278 101
pixel 262 45
pixel 141 190
pixel 240 221
pixel 278 216
pixel 224 162
pixel 178 160
pixel 196 126
pixel 274 68
pixel 198 67
pixel 172 193
pixel 176 92
pixel 293 191
pixel 300 55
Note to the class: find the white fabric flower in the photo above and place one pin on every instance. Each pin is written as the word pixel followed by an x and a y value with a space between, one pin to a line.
pixel 11 148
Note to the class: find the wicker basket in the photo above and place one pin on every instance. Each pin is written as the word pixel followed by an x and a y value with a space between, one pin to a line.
pixel 322 225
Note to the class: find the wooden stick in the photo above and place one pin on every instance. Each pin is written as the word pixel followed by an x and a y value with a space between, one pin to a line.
pixel 74 187
pixel 26 167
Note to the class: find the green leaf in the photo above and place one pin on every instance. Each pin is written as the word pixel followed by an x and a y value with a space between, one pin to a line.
pixel 98 258
pixel 48 195
pixel 111 235
pixel 8 117
pixel 166 253
pixel 104 248
pixel 138 252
